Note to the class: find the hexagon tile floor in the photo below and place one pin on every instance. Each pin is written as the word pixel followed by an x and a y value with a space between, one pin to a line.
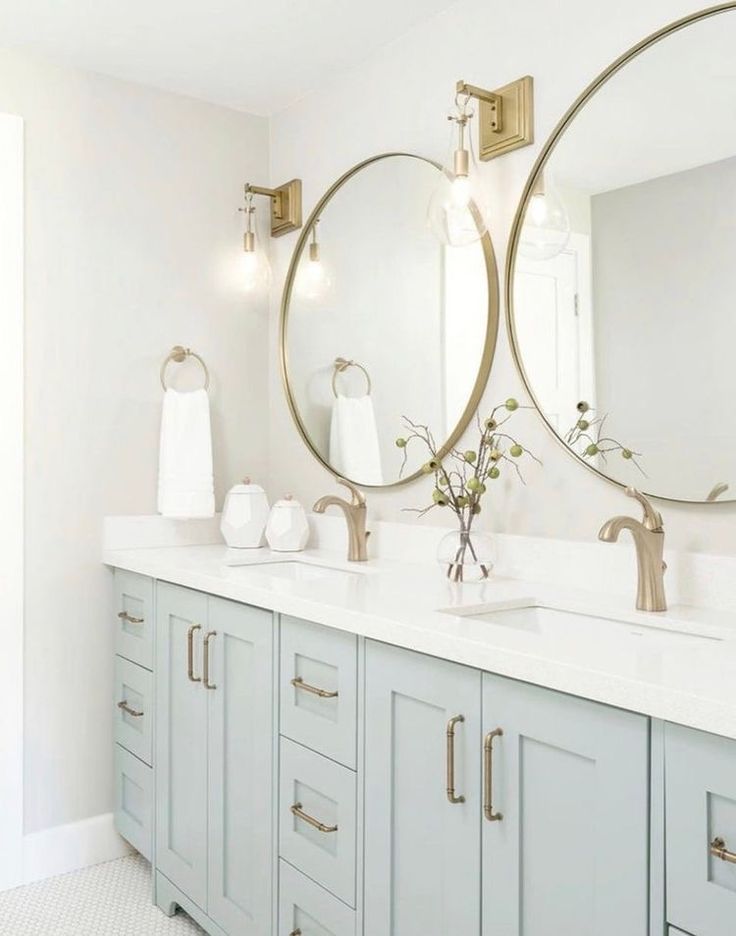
pixel 111 899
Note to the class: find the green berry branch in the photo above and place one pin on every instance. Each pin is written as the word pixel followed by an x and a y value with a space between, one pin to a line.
pixel 461 478
pixel 587 437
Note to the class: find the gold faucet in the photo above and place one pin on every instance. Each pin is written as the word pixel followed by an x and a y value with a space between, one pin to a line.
pixel 649 541
pixel 355 514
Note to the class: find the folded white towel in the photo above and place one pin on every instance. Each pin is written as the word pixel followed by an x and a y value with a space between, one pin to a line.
pixel 185 486
pixel 354 450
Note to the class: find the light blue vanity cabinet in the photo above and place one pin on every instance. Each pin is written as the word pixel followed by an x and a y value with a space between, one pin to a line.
pixel 566 815
pixel 422 851
pixel 215 755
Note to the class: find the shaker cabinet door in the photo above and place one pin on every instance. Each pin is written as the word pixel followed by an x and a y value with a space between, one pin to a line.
pixel 181 741
pixel 565 827
pixel 422 851
pixel 241 755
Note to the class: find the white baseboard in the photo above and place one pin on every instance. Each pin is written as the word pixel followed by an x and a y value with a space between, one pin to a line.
pixel 69 847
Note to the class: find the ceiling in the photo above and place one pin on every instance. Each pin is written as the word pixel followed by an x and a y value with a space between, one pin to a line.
pixel 254 56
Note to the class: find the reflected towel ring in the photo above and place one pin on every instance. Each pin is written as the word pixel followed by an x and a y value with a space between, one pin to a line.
pixel 178 355
pixel 341 365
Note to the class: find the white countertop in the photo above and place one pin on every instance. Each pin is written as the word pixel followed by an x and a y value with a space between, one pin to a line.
pixel 643 664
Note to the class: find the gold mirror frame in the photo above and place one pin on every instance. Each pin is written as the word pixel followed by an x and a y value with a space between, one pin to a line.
pixel 532 181
pixel 489 348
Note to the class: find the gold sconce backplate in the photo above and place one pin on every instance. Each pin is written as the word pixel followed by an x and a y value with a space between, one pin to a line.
pixel 506 116
pixel 286 208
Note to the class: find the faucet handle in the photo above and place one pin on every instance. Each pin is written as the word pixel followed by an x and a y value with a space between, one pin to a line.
pixel 652 518
pixel 358 499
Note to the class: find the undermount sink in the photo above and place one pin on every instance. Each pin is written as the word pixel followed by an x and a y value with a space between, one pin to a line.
pixel 548 621
pixel 293 570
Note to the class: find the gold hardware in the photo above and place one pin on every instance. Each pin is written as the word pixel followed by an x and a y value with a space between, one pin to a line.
pixel 206 661
pixel 718 850
pixel 298 683
pixel 355 514
pixel 130 711
pixel 506 116
pixel 648 538
pixel 190 653
pixel 488 812
pixel 451 759
pixel 490 337
pixel 341 365
pixel 297 810
pixel 286 205
pixel 178 355
pixel 129 619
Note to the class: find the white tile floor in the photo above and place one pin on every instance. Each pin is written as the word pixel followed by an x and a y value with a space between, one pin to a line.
pixel 112 899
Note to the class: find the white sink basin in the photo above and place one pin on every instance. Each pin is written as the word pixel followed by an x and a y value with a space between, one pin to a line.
pixel 583 626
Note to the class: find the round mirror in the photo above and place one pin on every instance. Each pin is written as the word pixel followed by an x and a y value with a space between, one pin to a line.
pixel 621 278
pixel 381 323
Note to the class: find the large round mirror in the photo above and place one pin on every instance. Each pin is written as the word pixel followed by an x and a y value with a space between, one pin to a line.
pixel 622 272
pixel 381 323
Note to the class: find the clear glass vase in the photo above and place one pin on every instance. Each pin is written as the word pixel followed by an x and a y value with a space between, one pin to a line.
pixel 467 556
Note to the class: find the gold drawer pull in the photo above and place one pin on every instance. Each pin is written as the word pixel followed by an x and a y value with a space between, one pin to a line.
pixel 310 820
pixel 128 618
pixel 298 683
pixel 190 653
pixel 488 812
pixel 718 850
pixel 131 711
pixel 451 759
pixel 206 661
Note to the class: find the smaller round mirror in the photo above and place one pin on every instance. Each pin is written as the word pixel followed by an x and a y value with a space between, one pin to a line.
pixel 381 323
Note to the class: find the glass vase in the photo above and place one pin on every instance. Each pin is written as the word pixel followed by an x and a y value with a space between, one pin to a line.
pixel 466 555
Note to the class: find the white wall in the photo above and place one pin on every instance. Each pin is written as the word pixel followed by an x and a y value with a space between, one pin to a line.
pixel 132 244
pixel 398 100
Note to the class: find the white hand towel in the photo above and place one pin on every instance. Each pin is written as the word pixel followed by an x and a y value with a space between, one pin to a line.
pixel 354 450
pixel 185 486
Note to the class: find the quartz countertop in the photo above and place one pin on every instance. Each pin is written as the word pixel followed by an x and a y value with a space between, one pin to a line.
pixel 679 665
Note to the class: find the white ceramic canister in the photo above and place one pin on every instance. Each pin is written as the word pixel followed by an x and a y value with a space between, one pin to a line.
pixel 244 515
pixel 287 529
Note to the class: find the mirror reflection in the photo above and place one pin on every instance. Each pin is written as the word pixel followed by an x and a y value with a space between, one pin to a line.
pixel 381 321
pixel 623 277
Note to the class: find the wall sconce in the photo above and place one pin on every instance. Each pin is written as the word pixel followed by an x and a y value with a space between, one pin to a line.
pixel 546 229
pixel 312 278
pixel 286 205
pixel 456 210
pixel 256 268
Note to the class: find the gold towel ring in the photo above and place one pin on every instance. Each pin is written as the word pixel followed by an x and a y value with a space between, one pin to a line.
pixel 341 364
pixel 178 355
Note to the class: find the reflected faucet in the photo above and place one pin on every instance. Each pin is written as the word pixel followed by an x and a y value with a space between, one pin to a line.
pixel 649 541
pixel 355 513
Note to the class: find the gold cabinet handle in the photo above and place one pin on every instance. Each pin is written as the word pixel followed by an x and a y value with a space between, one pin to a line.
pixel 206 661
pixel 298 683
pixel 718 850
pixel 310 820
pixel 128 618
pixel 451 759
pixel 131 711
pixel 488 812
pixel 190 653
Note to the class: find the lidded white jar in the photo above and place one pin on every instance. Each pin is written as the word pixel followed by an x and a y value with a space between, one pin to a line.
pixel 287 529
pixel 244 515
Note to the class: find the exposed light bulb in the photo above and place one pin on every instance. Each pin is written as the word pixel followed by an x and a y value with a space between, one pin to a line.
pixel 546 229
pixel 456 214
pixel 255 269
pixel 313 281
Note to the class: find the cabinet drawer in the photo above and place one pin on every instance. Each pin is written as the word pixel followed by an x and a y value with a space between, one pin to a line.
pixel 322 845
pixel 319 688
pixel 133 710
pixel 133 609
pixel 134 801
pixel 306 908
pixel 700 808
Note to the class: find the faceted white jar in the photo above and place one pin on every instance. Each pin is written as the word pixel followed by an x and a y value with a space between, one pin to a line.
pixel 287 529
pixel 244 516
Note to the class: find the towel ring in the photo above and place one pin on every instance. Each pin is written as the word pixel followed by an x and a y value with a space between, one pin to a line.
pixel 341 365
pixel 178 355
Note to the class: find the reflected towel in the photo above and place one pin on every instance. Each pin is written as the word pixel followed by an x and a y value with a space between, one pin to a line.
pixel 185 486
pixel 354 449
